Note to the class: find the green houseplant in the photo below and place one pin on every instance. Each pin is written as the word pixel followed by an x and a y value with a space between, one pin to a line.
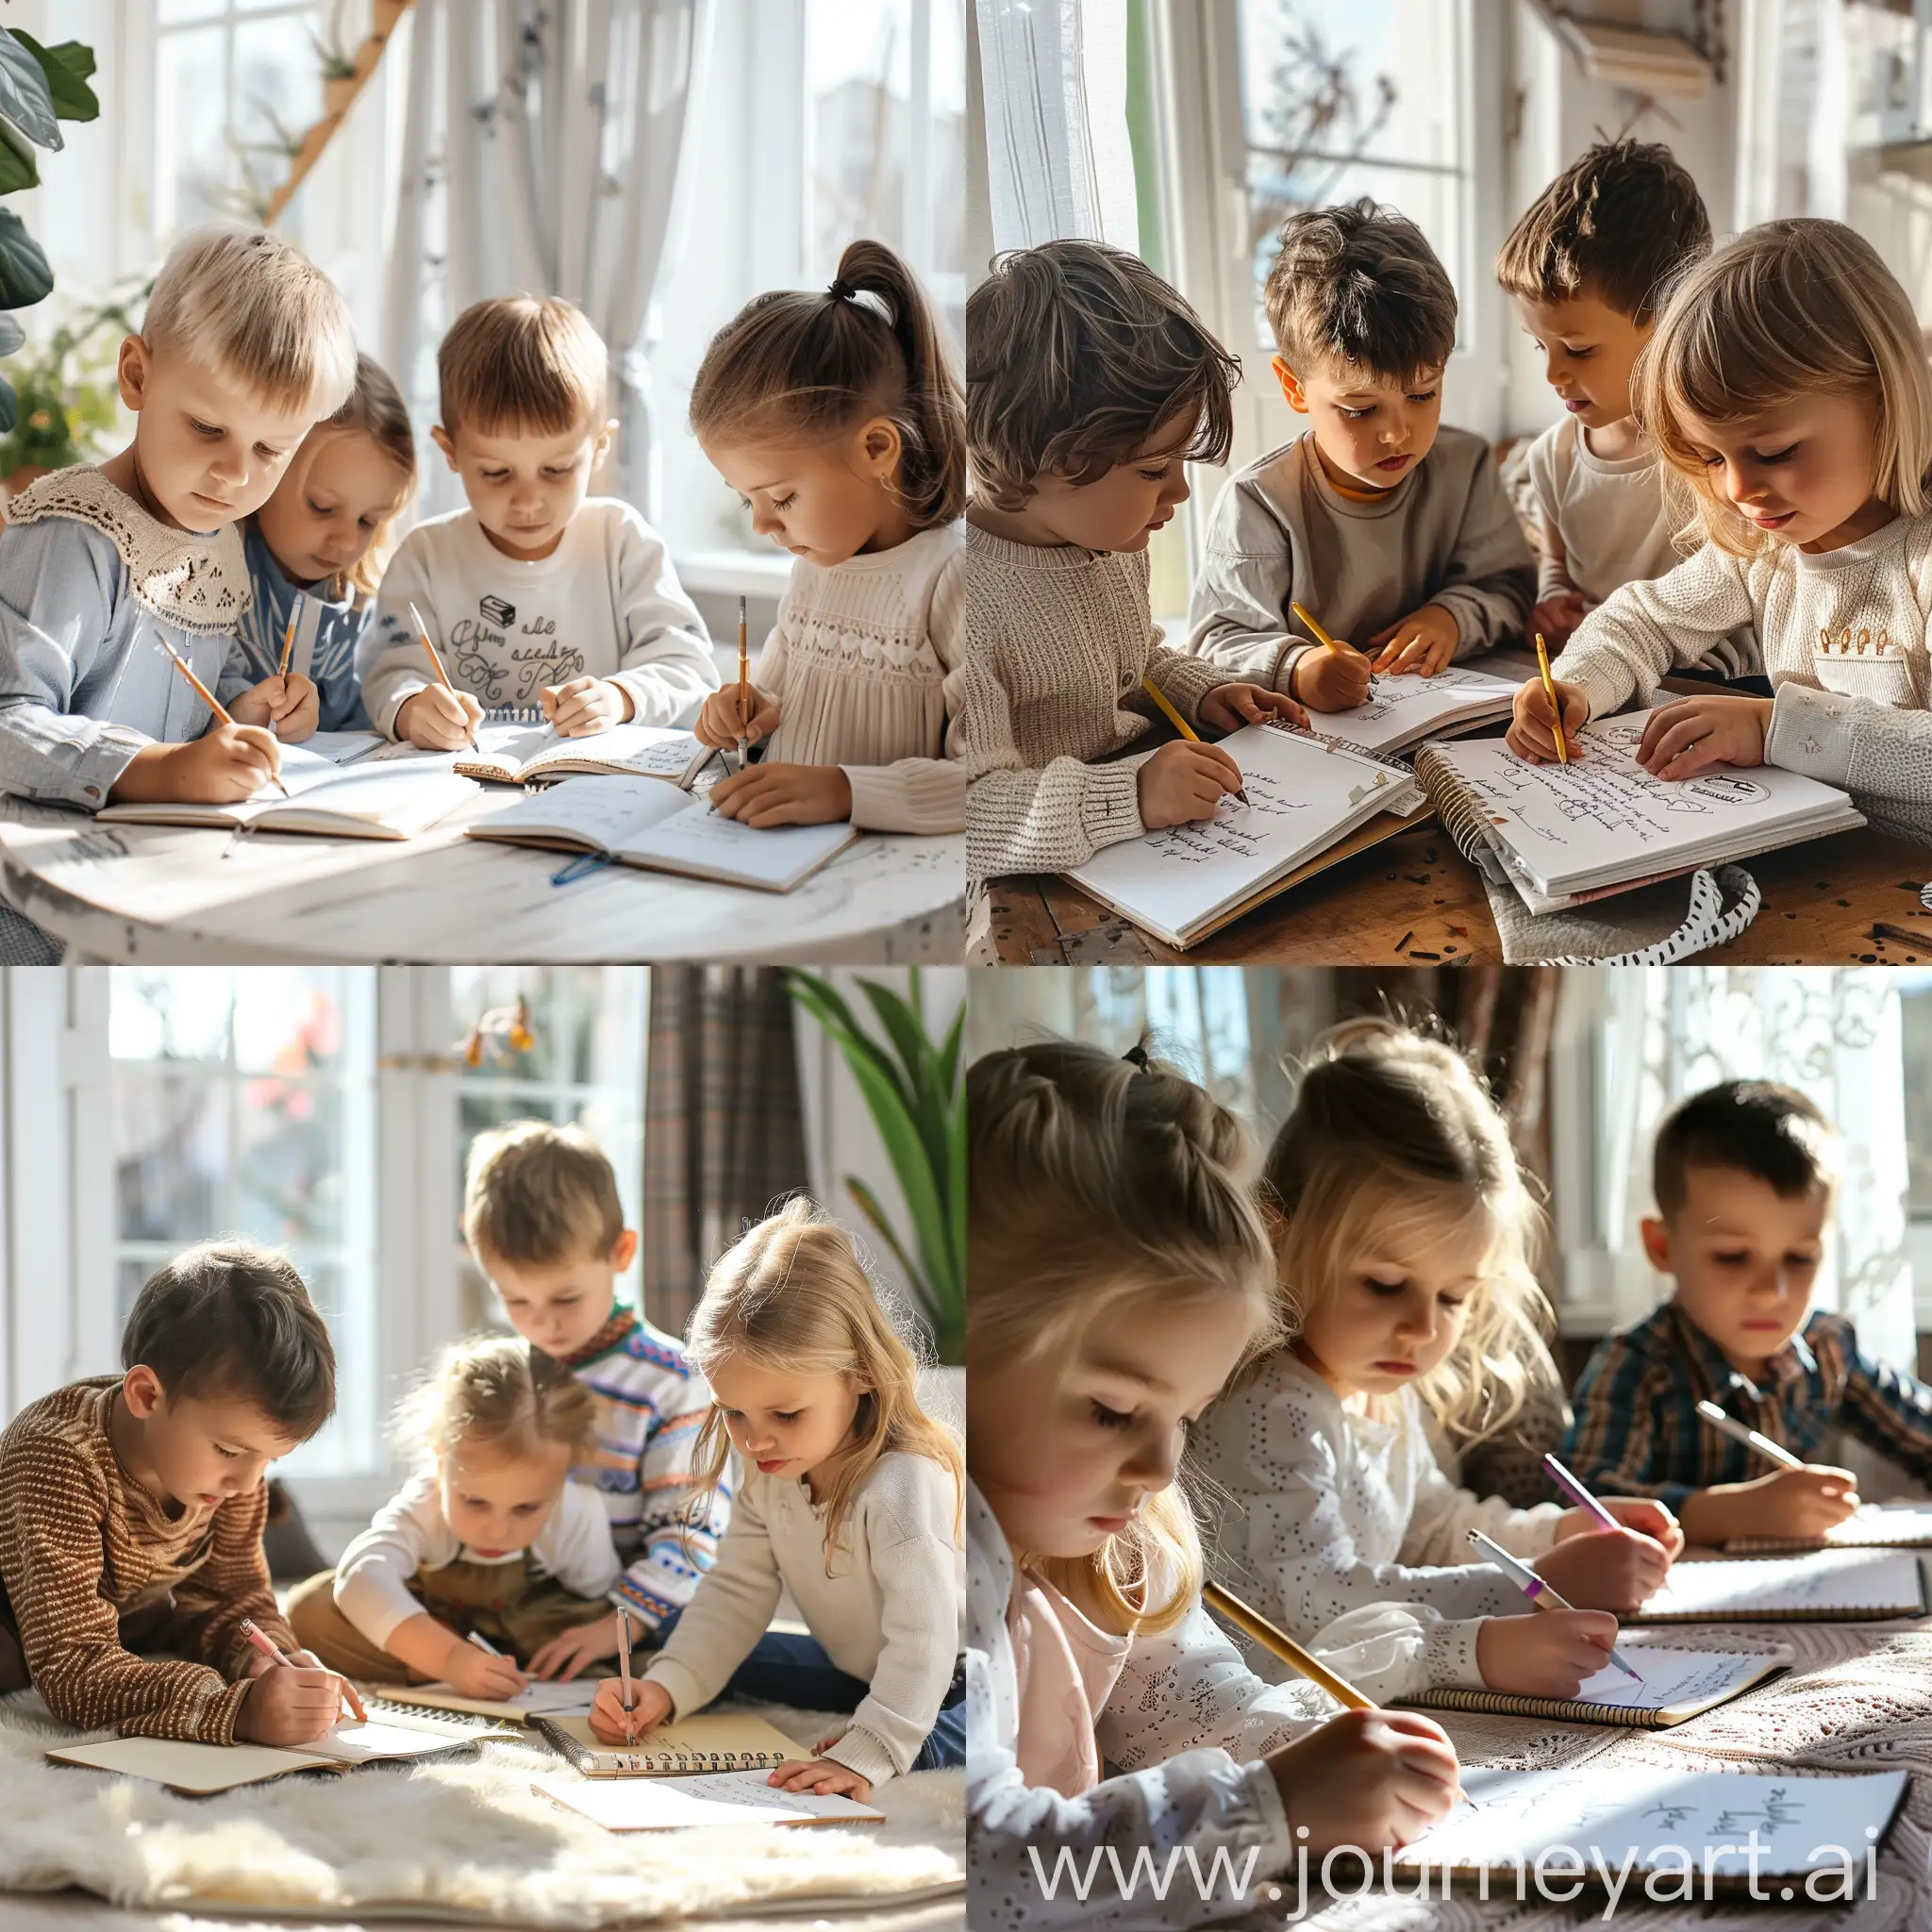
pixel 915 1091
pixel 68 400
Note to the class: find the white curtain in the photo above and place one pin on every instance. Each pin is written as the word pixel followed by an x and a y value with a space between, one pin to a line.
pixel 1060 161
pixel 543 152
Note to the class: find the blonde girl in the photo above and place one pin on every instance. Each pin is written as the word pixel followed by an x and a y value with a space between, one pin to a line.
pixel 851 1499
pixel 1404 1249
pixel 839 417
pixel 1787 390
pixel 489 1537
pixel 1119 1272
pixel 318 547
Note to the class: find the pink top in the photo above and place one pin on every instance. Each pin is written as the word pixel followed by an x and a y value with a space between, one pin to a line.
pixel 1067 1667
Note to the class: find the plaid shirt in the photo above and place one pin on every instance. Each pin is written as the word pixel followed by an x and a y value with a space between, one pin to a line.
pixel 1637 1431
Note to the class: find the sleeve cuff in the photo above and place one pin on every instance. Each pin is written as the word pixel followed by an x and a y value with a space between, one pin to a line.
pixel 1811 733
pixel 1606 686
pixel 924 795
pixel 687 1692
pixel 1110 803
pixel 399 694
pixel 859 1749
pixel 1449 1655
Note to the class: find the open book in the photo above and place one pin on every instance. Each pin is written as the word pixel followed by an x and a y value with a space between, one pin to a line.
pixel 521 755
pixel 536 1698
pixel 661 829
pixel 1677 1684
pixel 1877 1525
pixel 706 1743
pixel 366 798
pixel 1188 881
pixel 1403 707
pixel 1831 1586
pixel 730 1797
pixel 198 1769
pixel 1562 834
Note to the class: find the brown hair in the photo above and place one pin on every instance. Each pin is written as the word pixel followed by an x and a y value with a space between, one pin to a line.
pixel 495 1392
pixel 525 364
pixel 1359 284
pixel 229 1319
pixel 1772 1133
pixel 1076 354
pixel 1620 223
pixel 814 364
pixel 535 1192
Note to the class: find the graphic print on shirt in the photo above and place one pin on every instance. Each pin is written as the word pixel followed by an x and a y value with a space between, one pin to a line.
pixel 502 667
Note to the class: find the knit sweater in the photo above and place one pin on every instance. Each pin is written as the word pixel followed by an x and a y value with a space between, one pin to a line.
pixel 1057 642
pixel 890 1613
pixel 81 1543
pixel 1843 637
pixel 1345 1532
pixel 865 659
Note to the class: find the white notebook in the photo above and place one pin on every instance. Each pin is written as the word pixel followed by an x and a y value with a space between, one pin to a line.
pixel 520 754
pixel 1602 823
pixel 726 1797
pixel 536 1698
pixel 1677 1684
pixel 641 823
pixel 1403 707
pixel 1875 1526
pixel 1828 1587
pixel 1188 881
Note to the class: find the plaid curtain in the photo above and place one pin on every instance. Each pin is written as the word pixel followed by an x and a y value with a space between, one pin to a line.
pixel 724 1126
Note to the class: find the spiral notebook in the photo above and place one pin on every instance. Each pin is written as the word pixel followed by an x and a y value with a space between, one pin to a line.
pixel 1828 1587
pixel 1404 706
pixel 1677 1686
pixel 706 1743
pixel 536 1698
pixel 730 1797
pixel 1877 1526
pixel 521 755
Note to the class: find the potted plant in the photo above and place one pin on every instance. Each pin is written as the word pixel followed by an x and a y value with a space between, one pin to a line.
pixel 339 78
pixel 68 400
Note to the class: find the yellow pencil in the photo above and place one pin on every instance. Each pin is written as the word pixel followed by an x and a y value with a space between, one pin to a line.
pixel 743 682
pixel 215 704
pixel 1543 658
pixel 435 663
pixel 288 639
pixel 1321 637
pixel 1179 724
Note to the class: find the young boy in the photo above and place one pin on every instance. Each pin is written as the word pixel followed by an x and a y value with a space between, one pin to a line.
pixel 1090 384
pixel 535 595
pixel 541 1216
pixel 1745 1175
pixel 1588 267
pixel 1390 531
pixel 131 1510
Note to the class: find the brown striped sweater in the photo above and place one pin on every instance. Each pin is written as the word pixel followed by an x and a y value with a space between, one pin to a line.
pixel 81 1544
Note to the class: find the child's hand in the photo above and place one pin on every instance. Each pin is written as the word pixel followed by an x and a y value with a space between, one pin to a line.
pixel 438 720
pixel 584 704
pixel 1368 1777
pixel 764 796
pixel 650 1706
pixel 1644 1514
pixel 1326 680
pixel 291 706
pixel 717 724
pixel 1182 783
pixel 225 765
pixel 823 1776
pixel 1546 1654
pixel 564 1656
pixel 1557 616
pixel 476 1674
pixel 1788 1502
pixel 1423 641
pixel 1603 1569
pixel 1681 738
pixel 1530 735
pixel 291 1705
pixel 1228 707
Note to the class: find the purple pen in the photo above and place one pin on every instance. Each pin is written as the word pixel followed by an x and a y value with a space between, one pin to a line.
pixel 1539 1592
pixel 1578 1494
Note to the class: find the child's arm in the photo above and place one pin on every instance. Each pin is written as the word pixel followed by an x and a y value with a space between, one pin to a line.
pixel 1236 614
pixel 1491 579
pixel 391 665
pixel 665 662
pixel 672 1559
pixel 1885 1408
pixel 408 1533
pixel 726 1616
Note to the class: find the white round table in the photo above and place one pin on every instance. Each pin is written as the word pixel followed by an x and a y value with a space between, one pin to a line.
pixel 171 894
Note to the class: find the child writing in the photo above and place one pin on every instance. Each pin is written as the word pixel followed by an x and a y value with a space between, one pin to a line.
pixel 537 594
pixel 490 1535
pixel 1787 390
pixel 542 1218
pixel 1746 1178
pixel 1404 1249
pixel 840 422
pixel 1381 524
pixel 851 1501
pixel 1119 1272
pixel 1090 383
pixel 131 1510
pixel 317 547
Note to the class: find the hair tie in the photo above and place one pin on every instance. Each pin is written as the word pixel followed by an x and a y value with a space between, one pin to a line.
pixel 1136 1056
pixel 842 290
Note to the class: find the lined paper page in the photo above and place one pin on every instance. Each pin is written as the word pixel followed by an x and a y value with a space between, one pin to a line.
pixel 1404 705
pixel 1734 1590
pixel 726 1797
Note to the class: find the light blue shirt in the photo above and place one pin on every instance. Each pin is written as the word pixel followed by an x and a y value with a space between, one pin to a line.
pixel 327 633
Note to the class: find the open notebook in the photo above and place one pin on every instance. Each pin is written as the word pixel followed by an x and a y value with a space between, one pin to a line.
pixel 706 1743
pixel 660 828
pixel 1563 834
pixel 1188 881
pixel 198 1769
pixel 729 1797
pixel 1403 707
pixel 1677 1686
pixel 521 755
pixel 1877 1525
pixel 1829 1587
pixel 536 1698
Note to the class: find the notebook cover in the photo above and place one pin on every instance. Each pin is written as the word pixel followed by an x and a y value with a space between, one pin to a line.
pixel 1574 1710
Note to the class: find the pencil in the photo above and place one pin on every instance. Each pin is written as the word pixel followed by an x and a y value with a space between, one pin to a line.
pixel 1578 1494
pixel 1321 637
pixel 1727 1426
pixel 1180 724
pixel 1539 1592
pixel 623 1665
pixel 435 663
pixel 1543 658
pixel 214 704
pixel 259 1638
pixel 288 639
pixel 743 683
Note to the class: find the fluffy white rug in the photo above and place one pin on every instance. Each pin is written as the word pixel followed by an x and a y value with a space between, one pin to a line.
pixel 463 1837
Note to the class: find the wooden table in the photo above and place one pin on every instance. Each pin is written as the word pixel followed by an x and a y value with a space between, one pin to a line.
pixel 173 894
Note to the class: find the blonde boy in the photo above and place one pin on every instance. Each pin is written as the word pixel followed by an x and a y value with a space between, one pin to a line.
pixel 1392 530
pixel 536 593
pixel 541 1216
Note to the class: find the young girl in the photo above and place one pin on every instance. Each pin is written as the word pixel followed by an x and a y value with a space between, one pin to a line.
pixel 317 547
pixel 851 1499
pixel 1788 392
pixel 838 419
pixel 1405 1256
pixel 1119 1272
pixel 490 1535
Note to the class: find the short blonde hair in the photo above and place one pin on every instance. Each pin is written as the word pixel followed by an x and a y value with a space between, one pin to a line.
pixel 535 1194
pixel 247 303
pixel 523 363
pixel 1789 308
pixel 497 1394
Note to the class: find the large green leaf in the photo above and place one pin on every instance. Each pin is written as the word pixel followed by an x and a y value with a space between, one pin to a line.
pixel 66 69
pixel 921 1084
pixel 25 97
pixel 19 166
pixel 869 1206
pixel 918 1183
pixel 11 335
pixel 827 1004
pixel 10 407
pixel 25 276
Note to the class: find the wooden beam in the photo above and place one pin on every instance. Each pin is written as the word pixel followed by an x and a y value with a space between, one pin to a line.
pixel 368 58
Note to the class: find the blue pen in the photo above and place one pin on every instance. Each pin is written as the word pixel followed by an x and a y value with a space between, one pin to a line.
pixel 580 868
